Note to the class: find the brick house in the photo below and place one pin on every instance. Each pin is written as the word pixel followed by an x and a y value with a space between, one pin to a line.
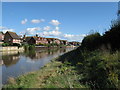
pixel 11 37
pixel 74 43
pixel 36 40
pixel 1 37
pixel 50 40
pixel 57 41
pixel 64 42
pixel 53 40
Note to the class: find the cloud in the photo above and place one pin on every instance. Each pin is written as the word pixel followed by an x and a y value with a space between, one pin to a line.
pixel 55 33
pixel 51 33
pixel 72 37
pixel 32 31
pixel 2 28
pixel 37 20
pixel 5 29
pixel 24 21
pixel 47 28
pixel 54 22
pixel 57 28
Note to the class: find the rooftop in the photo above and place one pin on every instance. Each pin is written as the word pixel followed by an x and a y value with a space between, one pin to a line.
pixel 13 35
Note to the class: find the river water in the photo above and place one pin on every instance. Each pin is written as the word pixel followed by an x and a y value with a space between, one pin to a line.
pixel 14 63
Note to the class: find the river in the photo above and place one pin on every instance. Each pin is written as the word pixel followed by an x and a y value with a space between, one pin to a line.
pixel 15 63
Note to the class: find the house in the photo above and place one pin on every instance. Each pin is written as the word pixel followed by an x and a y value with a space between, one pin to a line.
pixel 1 37
pixel 53 40
pixel 11 38
pixel 36 40
pixel 57 41
pixel 63 42
pixel 50 40
pixel 74 43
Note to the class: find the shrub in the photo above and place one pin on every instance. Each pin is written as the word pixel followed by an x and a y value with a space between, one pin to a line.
pixel 5 44
pixel 16 44
pixel 101 69
pixel 112 37
pixel 26 47
pixel 92 41
pixel 31 47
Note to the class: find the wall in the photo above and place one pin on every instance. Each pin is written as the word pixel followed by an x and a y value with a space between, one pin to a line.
pixel 12 48
pixel 8 38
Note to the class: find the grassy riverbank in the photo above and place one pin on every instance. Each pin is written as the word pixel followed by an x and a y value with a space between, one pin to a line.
pixel 75 69
pixel 53 75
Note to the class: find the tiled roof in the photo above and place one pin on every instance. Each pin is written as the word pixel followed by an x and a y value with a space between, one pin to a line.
pixel 52 38
pixel 36 38
pixel 27 38
pixel 13 35
pixel 1 33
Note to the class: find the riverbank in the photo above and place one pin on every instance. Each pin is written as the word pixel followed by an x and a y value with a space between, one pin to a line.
pixel 53 75
pixel 75 69
pixel 16 48
pixel 11 48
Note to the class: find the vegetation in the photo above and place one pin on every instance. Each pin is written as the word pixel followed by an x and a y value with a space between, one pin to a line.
pixel 98 59
pixel 29 47
pixel 109 40
pixel 92 41
pixel 53 75
pixel 5 44
pixel 14 44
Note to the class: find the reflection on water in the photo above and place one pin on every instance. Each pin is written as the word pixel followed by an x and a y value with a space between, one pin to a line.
pixel 17 63
pixel 9 60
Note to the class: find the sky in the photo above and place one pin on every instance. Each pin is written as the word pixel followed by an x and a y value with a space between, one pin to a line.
pixel 64 20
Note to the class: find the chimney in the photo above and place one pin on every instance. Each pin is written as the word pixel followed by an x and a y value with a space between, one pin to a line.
pixel 36 35
pixel 24 36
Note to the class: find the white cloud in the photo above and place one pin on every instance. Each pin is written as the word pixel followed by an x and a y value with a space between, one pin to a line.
pixel 37 20
pixel 5 29
pixel 2 28
pixel 57 28
pixel 46 28
pixel 54 22
pixel 72 37
pixel 51 33
pixel 32 31
pixel 55 33
pixel 24 21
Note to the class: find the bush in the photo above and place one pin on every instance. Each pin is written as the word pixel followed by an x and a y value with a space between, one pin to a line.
pixel 92 41
pixel 29 47
pixel 26 47
pixel 100 69
pixel 40 44
pixel 112 37
pixel 5 44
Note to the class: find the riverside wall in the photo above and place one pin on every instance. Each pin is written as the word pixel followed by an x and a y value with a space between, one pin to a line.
pixel 11 48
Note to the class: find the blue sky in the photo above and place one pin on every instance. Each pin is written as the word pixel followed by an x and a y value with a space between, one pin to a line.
pixel 70 21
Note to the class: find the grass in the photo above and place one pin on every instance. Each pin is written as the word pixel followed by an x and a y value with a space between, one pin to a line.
pixel 99 69
pixel 53 75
